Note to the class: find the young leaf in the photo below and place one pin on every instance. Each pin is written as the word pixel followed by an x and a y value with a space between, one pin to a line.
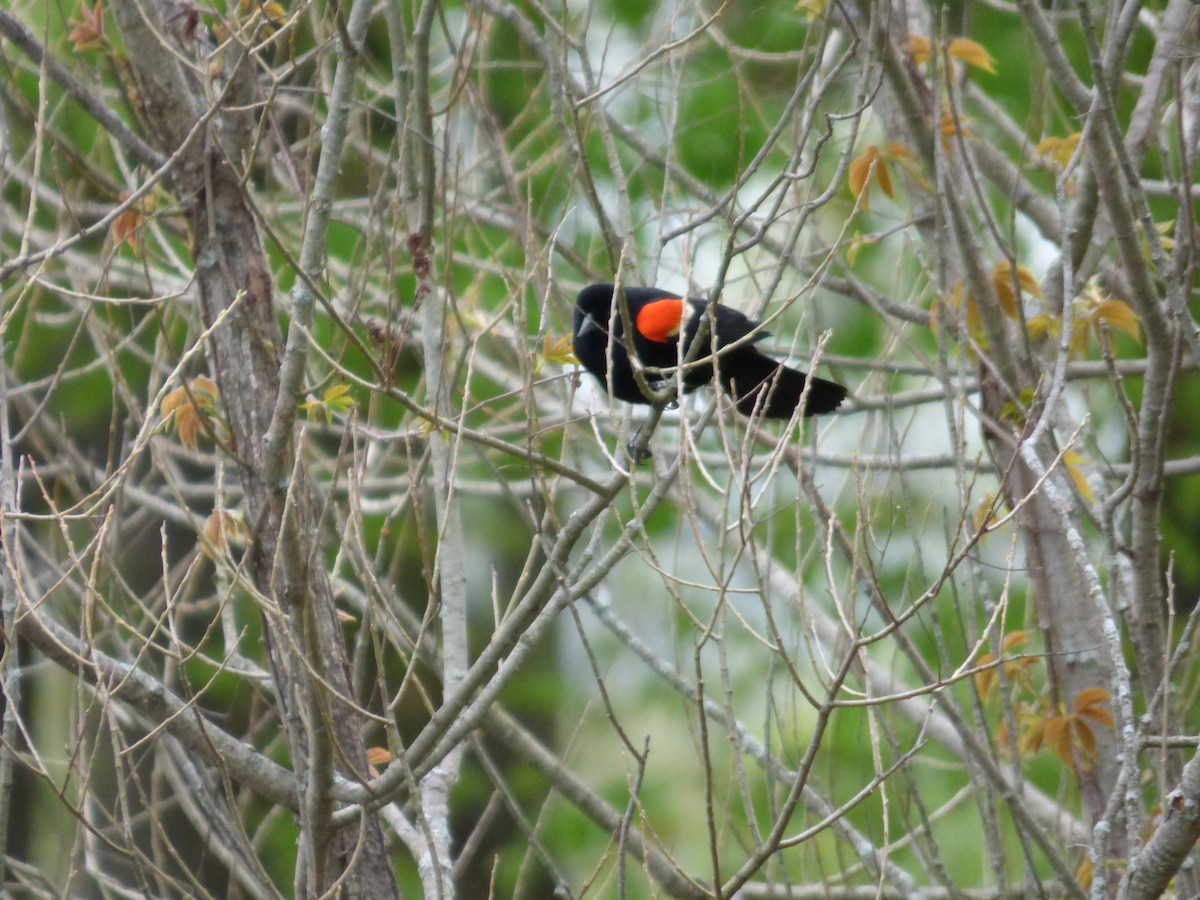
pixel 1014 639
pixel 884 178
pixel 985 678
pixel 954 301
pixel 1014 669
pixel 270 12
pixel 223 528
pixel 952 125
pixel 1086 873
pixel 972 53
pixel 985 514
pixel 336 399
pixel 1088 705
pixel 1002 281
pixel 190 409
pixel 1072 460
pixel 920 49
pixel 1033 736
pixel 1060 151
pixel 1079 337
pixel 188 424
pixel 1164 229
pixel 558 351
pixel 87 32
pixel 126 226
pixel 1028 283
pixel 1116 314
pixel 857 243
pixel 1043 325
pixel 378 756
pixel 204 387
pixel 812 8
pixel 1059 738
pixel 172 402
pixel 1085 738
pixel 213 532
pixel 861 170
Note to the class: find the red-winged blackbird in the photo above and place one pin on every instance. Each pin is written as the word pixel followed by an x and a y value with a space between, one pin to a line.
pixel 758 384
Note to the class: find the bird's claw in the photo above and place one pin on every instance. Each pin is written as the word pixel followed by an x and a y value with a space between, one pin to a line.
pixel 638 454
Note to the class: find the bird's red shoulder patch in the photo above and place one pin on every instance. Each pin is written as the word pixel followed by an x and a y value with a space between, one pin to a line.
pixel 660 320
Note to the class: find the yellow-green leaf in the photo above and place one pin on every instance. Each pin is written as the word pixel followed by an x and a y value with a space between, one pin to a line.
pixel 202 385
pixel 1003 283
pixel 985 678
pixel 1066 150
pixel 1002 271
pixel 1164 230
pixel 920 49
pixel 271 11
pixel 1072 461
pixel 954 301
pixel 558 351
pixel 336 399
pixel 1049 145
pixel 1060 151
pixel 1079 338
pixel 972 53
pixel 985 514
pixel 1041 325
pixel 1033 737
pixel 1118 315
pixel 952 125
pixel 1086 873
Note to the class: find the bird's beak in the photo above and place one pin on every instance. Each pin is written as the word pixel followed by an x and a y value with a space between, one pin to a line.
pixel 589 324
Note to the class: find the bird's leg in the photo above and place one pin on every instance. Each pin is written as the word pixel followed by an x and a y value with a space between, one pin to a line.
pixel 638 446
pixel 636 449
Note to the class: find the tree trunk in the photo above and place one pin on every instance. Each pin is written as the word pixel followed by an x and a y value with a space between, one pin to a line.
pixel 236 295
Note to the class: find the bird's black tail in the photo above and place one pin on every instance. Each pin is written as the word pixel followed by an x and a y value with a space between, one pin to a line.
pixel 763 387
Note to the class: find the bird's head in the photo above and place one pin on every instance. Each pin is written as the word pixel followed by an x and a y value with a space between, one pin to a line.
pixel 657 315
pixel 593 309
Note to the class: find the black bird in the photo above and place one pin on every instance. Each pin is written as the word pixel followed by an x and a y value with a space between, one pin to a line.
pixel 758 384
